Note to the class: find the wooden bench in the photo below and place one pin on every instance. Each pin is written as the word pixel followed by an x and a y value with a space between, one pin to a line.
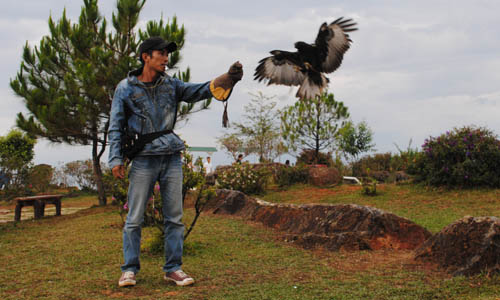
pixel 38 203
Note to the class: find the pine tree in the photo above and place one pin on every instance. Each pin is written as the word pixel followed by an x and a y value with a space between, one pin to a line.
pixel 68 81
pixel 313 124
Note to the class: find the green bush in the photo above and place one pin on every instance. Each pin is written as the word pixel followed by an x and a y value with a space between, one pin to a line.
pixel 372 163
pixel 40 176
pixel 369 187
pixel 308 157
pixel 405 160
pixel 387 167
pixel 465 157
pixel 244 178
pixel 288 176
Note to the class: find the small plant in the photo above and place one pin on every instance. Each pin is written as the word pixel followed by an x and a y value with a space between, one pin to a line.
pixel 119 189
pixel 405 159
pixel 193 178
pixel 369 187
pixel 244 178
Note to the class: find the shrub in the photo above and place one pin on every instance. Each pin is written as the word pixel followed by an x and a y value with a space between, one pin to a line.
pixel 405 159
pixel 40 177
pixel 308 157
pixel 244 178
pixel 118 189
pixel 288 176
pixel 380 176
pixel 387 167
pixel 466 157
pixel 372 163
pixel 369 187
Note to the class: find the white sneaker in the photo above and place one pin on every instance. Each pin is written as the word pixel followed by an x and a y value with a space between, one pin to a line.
pixel 127 279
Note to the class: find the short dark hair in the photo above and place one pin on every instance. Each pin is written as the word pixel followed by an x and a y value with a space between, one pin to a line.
pixel 148 52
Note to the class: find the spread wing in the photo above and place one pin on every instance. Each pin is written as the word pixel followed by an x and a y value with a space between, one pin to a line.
pixel 333 41
pixel 282 67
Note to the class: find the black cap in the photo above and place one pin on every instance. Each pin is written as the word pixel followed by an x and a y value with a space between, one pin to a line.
pixel 156 43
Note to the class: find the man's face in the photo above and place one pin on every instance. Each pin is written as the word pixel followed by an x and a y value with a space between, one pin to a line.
pixel 157 61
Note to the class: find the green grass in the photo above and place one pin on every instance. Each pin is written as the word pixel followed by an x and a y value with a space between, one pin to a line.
pixel 78 257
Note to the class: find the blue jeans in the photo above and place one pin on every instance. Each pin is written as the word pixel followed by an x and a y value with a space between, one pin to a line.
pixel 144 173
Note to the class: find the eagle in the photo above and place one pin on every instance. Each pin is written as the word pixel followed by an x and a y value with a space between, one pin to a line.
pixel 306 67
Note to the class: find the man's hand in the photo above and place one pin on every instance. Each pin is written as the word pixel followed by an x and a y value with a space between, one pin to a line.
pixel 222 85
pixel 119 171
pixel 235 72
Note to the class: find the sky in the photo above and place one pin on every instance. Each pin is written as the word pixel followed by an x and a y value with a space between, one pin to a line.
pixel 415 68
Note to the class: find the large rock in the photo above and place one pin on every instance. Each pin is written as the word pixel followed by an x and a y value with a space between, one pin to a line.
pixel 349 226
pixel 466 247
pixel 320 175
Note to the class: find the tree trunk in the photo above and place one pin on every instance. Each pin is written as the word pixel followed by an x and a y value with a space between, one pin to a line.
pixel 96 161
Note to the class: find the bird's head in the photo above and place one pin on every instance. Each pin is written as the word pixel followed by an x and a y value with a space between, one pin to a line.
pixel 323 27
pixel 302 46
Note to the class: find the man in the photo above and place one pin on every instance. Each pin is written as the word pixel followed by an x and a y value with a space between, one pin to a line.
pixel 208 166
pixel 239 160
pixel 146 102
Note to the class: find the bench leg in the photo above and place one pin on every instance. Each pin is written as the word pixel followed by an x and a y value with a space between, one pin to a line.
pixel 39 211
pixel 58 207
pixel 42 208
pixel 17 216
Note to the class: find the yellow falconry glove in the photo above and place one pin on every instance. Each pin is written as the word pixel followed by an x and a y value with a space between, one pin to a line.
pixel 221 86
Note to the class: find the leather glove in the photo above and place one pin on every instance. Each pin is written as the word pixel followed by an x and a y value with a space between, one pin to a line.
pixel 235 72
pixel 221 86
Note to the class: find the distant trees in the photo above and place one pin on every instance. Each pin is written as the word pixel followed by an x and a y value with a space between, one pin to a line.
pixel 16 155
pixel 234 145
pixel 40 177
pixel 258 133
pixel 355 139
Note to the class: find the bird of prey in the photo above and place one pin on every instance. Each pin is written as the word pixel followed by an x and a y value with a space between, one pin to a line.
pixel 306 66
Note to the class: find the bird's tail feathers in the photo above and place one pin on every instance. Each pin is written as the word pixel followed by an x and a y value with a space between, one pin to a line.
pixel 310 89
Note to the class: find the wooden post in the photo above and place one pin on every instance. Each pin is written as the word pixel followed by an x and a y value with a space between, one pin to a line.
pixel 58 206
pixel 17 216
pixel 39 206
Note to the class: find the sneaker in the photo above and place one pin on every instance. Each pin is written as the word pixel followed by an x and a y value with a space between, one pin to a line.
pixel 179 277
pixel 127 279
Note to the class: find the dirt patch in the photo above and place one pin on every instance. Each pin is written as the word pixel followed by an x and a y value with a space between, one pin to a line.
pixel 371 261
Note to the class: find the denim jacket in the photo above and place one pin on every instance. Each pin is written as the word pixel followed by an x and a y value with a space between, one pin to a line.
pixel 150 110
